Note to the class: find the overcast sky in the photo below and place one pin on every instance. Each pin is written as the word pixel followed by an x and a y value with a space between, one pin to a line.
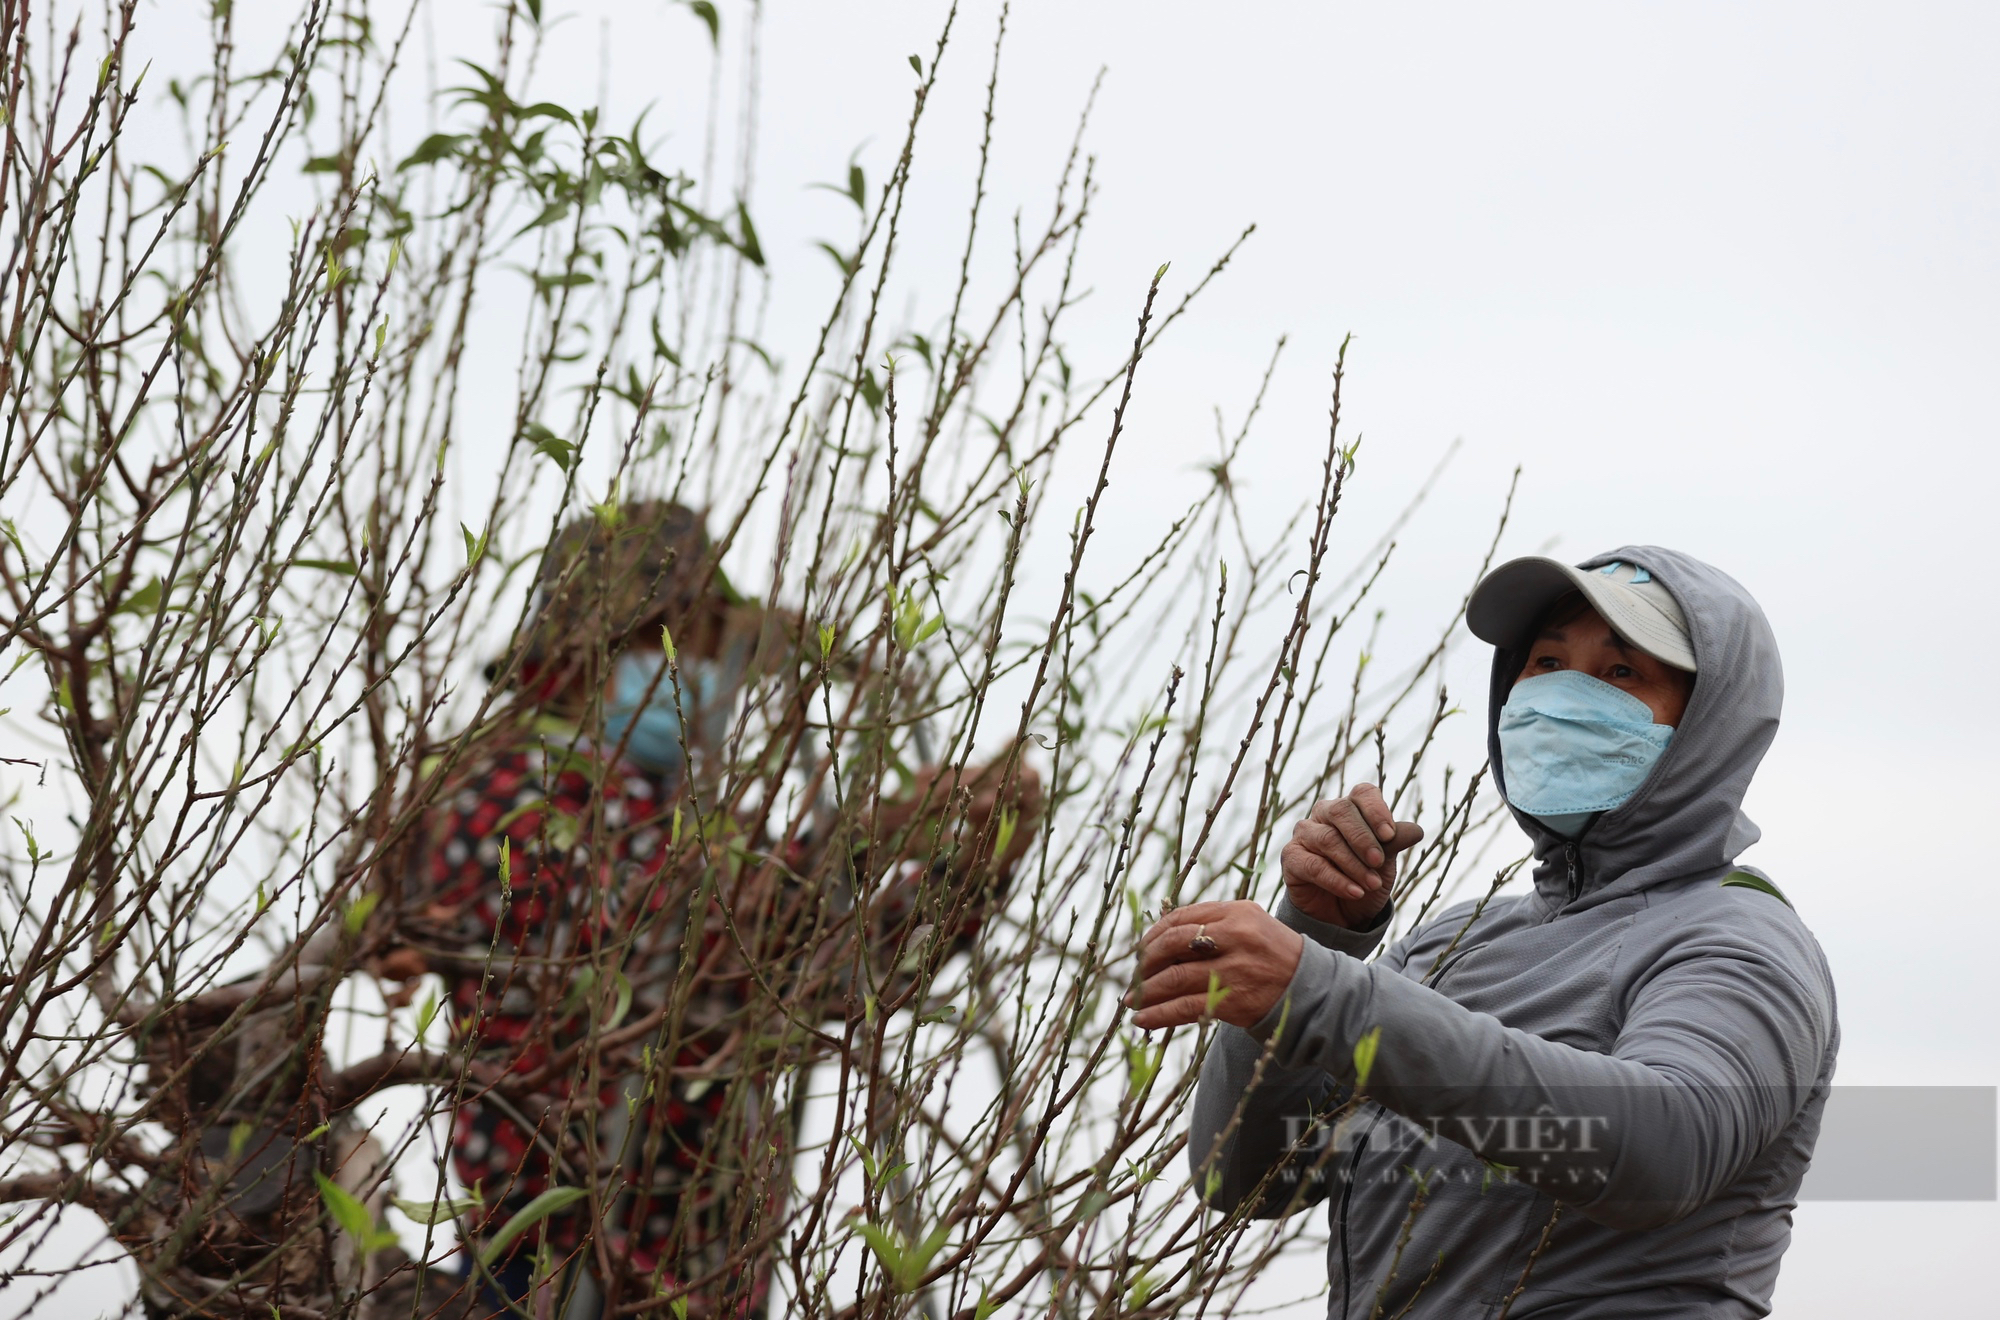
pixel 1718 277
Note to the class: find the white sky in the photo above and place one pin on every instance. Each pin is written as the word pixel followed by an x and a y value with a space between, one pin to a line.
pixel 1720 277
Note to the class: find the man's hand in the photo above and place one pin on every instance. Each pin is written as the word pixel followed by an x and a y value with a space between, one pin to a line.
pixel 401 964
pixel 1022 801
pixel 982 791
pixel 1341 862
pixel 1238 980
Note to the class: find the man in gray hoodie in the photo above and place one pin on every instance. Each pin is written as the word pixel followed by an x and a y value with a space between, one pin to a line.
pixel 1596 1098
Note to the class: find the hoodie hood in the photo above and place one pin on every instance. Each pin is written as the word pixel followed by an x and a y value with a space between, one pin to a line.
pixel 1687 819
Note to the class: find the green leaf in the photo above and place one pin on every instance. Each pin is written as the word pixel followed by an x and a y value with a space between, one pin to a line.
pixel 322 165
pixel 660 345
pixel 885 1246
pixel 352 1216
pixel 667 643
pixel 1003 834
pixel 344 567
pixel 926 1251
pixel 825 641
pixel 357 912
pixel 904 1262
pixel 560 451
pixel 427 1012
pixel 752 250
pixel 867 1157
pixel 871 390
pixel 349 1213
pixel 551 213
pixel 443 1210
pixel 1142 1063
pixel 705 11
pixel 1749 880
pixel 918 65
pixel 623 1003
pixel 911 626
pixel 145 600
pixel 1364 1057
pixel 475 546
pixel 840 259
pixel 1217 992
pixel 857 186
pixel 436 147
pixel 574 279
pixel 534 1212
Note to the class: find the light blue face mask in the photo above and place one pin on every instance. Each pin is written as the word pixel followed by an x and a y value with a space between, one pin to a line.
pixel 1572 745
pixel 655 726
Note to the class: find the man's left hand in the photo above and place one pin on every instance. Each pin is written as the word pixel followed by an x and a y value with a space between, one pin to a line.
pixel 1231 961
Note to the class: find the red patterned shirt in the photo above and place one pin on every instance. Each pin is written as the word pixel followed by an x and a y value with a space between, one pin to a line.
pixel 546 882
pixel 532 855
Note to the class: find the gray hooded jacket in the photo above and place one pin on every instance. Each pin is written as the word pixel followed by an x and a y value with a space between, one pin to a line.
pixel 1607 1088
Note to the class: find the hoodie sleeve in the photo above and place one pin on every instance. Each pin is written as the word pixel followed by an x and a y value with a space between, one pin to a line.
pixel 1722 1041
pixel 1252 1141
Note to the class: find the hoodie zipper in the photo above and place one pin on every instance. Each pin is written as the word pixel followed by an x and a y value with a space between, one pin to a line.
pixel 1575 870
pixel 1436 978
pixel 1346 1200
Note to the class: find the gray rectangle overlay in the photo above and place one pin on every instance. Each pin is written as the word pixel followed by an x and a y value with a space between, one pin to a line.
pixel 1905 1143
pixel 1875 1143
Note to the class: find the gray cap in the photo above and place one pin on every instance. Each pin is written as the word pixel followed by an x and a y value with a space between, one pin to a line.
pixel 1508 600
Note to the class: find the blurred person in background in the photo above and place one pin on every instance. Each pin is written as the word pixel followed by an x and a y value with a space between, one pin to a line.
pixel 1597 1098
pixel 631 969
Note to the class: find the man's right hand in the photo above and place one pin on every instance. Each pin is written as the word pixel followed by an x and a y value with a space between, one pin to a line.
pixel 401 963
pixel 1341 863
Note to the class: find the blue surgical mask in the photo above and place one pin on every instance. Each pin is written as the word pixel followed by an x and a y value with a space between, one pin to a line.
pixel 1572 745
pixel 655 726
